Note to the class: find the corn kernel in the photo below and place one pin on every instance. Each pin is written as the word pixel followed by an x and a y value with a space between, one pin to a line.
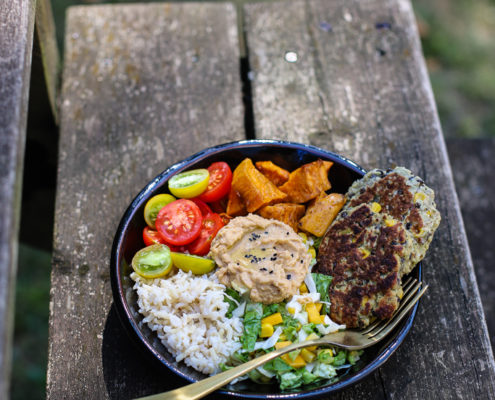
pixel 312 251
pixel 291 310
pixel 375 207
pixel 390 222
pixel 364 252
pixel 313 314
pixel 298 362
pixel 307 355
pixel 273 319
pixel 266 330
pixel 280 345
pixel 318 306
pixel 419 196
pixel 303 288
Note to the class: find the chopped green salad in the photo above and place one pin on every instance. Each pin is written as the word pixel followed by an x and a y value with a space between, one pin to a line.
pixel 273 326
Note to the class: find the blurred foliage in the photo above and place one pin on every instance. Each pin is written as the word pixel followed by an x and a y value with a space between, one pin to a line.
pixel 31 324
pixel 459 47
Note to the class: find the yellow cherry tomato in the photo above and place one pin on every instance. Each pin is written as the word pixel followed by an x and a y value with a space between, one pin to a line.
pixel 189 184
pixel 188 262
pixel 153 207
pixel 152 261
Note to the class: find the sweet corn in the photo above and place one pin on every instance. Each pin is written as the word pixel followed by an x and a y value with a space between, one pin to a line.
pixel 291 310
pixel 298 362
pixel 266 330
pixel 419 196
pixel 280 345
pixel 303 288
pixel 375 207
pixel 273 319
pixel 313 313
pixel 364 252
pixel 390 222
pixel 307 355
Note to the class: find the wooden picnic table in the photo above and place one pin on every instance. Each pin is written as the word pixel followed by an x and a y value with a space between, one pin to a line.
pixel 147 85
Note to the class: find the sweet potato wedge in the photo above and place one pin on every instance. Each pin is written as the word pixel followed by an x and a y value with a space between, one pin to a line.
pixel 254 188
pixel 286 212
pixel 273 172
pixel 321 212
pixel 235 206
pixel 307 182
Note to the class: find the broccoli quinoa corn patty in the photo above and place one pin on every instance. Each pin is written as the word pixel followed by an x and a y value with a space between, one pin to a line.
pixel 381 233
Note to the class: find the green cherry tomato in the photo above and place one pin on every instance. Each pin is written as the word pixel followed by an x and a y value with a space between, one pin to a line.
pixel 153 207
pixel 188 262
pixel 152 261
pixel 189 184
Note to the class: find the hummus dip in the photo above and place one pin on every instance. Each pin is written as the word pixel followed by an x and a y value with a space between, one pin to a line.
pixel 263 256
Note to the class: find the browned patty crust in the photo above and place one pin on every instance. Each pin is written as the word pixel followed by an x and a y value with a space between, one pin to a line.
pixel 363 256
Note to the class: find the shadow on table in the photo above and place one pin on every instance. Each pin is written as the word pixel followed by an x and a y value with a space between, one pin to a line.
pixel 129 373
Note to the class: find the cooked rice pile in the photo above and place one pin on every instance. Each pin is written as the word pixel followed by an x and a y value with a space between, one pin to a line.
pixel 188 314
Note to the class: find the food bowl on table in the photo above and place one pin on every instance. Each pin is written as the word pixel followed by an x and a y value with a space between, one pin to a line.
pixel 128 240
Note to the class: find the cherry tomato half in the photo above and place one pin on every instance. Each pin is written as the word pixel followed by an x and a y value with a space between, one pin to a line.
pixel 219 183
pixel 152 261
pixel 203 207
pixel 150 236
pixel 153 207
pixel 179 222
pixel 211 225
pixel 189 184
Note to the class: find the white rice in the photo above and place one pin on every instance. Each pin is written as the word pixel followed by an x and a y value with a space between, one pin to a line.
pixel 188 314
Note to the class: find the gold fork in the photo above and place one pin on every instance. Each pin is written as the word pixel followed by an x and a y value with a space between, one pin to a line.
pixel 347 339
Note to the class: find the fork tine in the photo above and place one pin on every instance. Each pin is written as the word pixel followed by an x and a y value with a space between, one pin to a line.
pixel 405 299
pixel 408 289
pixel 398 317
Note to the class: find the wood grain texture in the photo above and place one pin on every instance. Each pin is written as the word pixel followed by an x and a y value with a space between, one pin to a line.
pixel 16 39
pixel 359 87
pixel 50 58
pixel 473 163
pixel 143 87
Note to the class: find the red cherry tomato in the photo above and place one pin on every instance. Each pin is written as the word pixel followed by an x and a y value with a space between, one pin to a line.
pixel 211 225
pixel 150 236
pixel 179 222
pixel 219 183
pixel 203 207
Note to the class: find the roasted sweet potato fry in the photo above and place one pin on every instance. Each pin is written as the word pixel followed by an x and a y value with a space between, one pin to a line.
pixel 321 212
pixel 235 206
pixel 307 182
pixel 286 212
pixel 254 188
pixel 273 172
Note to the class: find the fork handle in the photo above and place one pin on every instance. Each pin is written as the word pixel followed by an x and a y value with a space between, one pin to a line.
pixel 205 386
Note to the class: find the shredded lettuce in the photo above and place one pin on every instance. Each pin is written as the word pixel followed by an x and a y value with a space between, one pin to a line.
pixel 322 283
pixel 252 325
pixel 233 299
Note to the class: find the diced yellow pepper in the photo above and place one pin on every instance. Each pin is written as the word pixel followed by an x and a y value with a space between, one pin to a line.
pixel 312 336
pixel 307 355
pixel 273 319
pixel 298 362
pixel 266 330
pixel 303 288
pixel 318 306
pixel 313 314
pixel 329 351
pixel 375 207
pixel 280 345
pixel 291 310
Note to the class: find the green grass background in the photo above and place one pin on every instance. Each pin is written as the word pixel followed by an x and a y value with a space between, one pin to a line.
pixel 459 47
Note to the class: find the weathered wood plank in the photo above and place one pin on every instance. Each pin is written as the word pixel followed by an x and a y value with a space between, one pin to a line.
pixel 16 38
pixel 473 163
pixel 359 87
pixel 143 86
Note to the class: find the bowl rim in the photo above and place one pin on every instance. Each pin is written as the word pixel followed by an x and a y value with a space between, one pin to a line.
pixel 132 329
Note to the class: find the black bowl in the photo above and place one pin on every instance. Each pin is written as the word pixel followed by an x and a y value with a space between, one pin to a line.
pixel 128 241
